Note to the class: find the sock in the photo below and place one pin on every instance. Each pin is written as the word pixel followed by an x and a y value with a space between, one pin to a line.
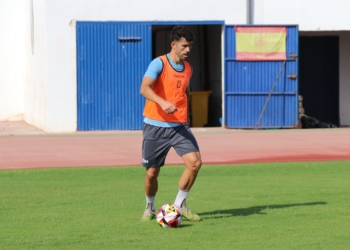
pixel 150 202
pixel 181 198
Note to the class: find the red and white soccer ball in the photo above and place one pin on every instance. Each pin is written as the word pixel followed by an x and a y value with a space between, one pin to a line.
pixel 169 215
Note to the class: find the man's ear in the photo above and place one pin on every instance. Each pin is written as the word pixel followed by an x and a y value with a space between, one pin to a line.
pixel 172 44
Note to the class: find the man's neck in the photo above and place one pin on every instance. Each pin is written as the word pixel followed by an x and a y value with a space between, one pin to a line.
pixel 175 58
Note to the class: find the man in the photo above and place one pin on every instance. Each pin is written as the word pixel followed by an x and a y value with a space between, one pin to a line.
pixel 166 122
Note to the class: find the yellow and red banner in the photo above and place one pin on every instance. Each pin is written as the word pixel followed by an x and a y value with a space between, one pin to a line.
pixel 260 43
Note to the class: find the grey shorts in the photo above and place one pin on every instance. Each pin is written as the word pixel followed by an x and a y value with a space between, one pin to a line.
pixel 157 142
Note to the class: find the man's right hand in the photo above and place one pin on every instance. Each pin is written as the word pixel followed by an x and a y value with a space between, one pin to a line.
pixel 168 107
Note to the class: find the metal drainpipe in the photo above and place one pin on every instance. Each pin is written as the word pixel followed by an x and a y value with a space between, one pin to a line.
pixel 250 8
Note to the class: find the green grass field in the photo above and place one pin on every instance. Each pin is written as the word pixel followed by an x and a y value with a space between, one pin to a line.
pixel 251 206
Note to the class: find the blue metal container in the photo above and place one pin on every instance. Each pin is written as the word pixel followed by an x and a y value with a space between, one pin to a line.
pixel 252 97
pixel 112 58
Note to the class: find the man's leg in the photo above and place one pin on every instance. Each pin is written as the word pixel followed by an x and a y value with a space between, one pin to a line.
pixel 151 188
pixel 193 163
pixel 151 181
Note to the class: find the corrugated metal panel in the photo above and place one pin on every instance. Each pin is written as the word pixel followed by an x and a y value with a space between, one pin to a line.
pixel 248 85
pixel 111 61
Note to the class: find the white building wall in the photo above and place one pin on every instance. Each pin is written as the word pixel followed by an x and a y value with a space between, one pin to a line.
pixel 12 59
pixel 233 11
pixel 311 15
pixel 22 63
pixel 62 77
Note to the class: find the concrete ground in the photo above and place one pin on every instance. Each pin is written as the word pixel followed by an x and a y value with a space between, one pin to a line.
pixel 24 146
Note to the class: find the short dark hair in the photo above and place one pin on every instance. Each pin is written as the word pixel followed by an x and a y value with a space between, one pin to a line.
pixel 179 32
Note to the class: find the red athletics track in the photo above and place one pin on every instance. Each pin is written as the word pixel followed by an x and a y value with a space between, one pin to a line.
pixel 23 146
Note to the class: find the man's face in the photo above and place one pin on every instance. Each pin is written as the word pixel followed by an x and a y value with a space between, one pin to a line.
pixel 182 48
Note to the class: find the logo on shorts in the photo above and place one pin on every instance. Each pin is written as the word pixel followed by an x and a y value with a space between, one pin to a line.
pixel 144 161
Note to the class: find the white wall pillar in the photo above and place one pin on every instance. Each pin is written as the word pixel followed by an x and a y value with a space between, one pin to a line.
pixel 35 108
pixel 344 78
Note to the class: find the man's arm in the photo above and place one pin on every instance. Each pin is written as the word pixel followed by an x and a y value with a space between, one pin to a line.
pixel 147 91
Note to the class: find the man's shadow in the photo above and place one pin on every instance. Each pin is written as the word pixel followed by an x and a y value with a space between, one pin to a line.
pixel 252 210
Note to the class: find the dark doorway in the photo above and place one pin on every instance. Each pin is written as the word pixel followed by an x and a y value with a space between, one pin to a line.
pixel 319 77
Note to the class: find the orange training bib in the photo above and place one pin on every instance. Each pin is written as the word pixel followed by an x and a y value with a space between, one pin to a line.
pixel 171 85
